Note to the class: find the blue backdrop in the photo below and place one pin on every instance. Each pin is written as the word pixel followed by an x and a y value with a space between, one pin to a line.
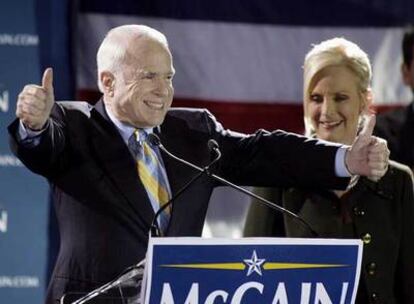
pixel 23 237
pixel 33 34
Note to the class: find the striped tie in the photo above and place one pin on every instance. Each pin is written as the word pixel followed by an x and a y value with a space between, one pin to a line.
pixel 152 175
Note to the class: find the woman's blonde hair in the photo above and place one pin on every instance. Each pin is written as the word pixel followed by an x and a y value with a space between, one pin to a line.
pixel 334 52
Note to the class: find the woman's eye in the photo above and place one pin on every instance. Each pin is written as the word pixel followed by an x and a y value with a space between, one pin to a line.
pixel 341 97
pixel 316 98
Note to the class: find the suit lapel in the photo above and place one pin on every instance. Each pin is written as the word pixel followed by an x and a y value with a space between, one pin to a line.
pixel 195 199
pixel 173 169
pixel 119 165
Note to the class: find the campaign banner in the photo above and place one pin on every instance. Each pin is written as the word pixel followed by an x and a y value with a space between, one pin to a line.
pixel 24 196
pixel 251 270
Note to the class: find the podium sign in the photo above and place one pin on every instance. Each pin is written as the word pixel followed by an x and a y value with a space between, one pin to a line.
pixel 251 270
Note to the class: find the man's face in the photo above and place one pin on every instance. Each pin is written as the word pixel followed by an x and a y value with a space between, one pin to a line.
pixel 408 73
pixel 143 89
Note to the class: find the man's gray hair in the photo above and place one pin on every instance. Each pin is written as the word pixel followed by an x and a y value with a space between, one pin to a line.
pixel 113 49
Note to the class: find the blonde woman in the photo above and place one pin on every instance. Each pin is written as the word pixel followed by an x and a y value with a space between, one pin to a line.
pixel 337 96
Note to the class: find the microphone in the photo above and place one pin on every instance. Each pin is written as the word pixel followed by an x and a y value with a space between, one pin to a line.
pixel 132 272
pixel 213 146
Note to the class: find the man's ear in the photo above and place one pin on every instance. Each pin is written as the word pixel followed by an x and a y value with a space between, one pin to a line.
pixel 108 83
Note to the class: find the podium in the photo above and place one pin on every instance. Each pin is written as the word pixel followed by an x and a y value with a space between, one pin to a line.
pixel 249 270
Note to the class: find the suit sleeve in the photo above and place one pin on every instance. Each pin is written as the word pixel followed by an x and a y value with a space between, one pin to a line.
pixel 276 159
pixel 46 157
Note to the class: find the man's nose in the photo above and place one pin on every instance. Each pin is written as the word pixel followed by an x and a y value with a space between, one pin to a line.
pixel 163 88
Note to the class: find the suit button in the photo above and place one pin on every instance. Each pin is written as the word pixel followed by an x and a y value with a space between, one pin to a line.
pixel 374 297
pixel 371 268
pixel 358 211
pixel 366 238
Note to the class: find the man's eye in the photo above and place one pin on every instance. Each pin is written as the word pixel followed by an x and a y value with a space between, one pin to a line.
pixel 149 76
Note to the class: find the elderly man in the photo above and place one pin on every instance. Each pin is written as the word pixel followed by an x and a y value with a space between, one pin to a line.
pixel 108 181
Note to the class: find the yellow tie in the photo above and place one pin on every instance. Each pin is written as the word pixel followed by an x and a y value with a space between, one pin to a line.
pixel 153 177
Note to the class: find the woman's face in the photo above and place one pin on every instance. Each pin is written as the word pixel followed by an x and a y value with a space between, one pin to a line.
pixel 334 104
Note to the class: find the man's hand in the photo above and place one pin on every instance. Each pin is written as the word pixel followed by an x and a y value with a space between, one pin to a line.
pixel 35 103
pixel 368 155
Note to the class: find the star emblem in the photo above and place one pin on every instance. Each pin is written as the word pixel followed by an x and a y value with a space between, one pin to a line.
pixel 254 264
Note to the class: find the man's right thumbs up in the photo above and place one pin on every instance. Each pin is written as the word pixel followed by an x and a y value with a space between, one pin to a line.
pixel 35 102
pixel 47 82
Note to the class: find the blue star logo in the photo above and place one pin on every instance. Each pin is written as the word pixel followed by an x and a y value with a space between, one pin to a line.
pixel 254 264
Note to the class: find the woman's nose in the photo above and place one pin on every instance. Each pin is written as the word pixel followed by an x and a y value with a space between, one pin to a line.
pixel 328 106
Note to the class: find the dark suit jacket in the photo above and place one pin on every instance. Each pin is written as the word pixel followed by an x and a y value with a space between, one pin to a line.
pixel 397 127
pixel 103 211
pixel 384 210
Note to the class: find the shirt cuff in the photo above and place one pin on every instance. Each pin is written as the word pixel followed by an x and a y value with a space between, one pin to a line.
pixel 28 137
pixel 25 133
pixel 340 167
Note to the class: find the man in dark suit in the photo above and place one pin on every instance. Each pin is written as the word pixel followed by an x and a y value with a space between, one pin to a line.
pixel 397 126
pixel 103 203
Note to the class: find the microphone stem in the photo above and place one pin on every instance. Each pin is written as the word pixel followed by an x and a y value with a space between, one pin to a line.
pixel 226 182
pixel 154 226
pixel 265 202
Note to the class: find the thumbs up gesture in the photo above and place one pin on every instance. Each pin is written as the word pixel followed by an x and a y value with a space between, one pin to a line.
pixel 368 155
pixel 35 102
